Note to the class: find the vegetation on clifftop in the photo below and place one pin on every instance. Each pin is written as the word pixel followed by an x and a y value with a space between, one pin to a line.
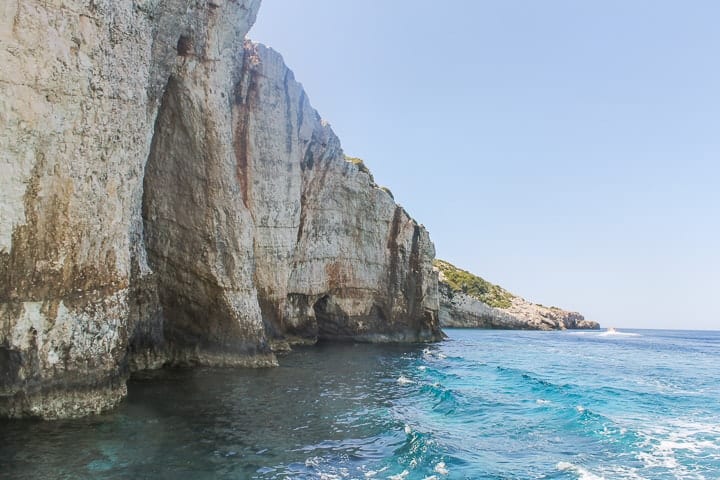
pixel 360 165
pixel 387 190
pixel 358 162
pixel 463 281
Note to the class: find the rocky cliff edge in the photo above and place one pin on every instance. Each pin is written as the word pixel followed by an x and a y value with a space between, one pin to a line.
pixel 169 196
pixel 468 301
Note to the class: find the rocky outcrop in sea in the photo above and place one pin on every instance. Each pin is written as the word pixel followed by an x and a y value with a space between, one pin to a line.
pixel 468 301
pixel 169 196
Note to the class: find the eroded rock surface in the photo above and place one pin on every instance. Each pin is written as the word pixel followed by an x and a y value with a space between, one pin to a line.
pixel 168 195
pixel 336 258
pixel 462 307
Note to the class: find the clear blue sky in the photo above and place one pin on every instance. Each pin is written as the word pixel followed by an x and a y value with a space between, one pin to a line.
pixel 567 150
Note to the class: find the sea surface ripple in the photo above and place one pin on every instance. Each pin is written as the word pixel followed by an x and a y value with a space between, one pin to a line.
pixel 641 404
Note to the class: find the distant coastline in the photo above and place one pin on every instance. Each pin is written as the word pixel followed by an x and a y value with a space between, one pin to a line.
pixel 469 301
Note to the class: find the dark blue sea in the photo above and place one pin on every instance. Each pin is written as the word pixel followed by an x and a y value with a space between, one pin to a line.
pixel 638 404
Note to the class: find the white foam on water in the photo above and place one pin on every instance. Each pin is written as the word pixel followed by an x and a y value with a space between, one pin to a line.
pixel 618 334
pixel 605 472
pixel 429 354
pixel 659 457
pixel 329 476
pixel 663 445
pixel 666 386
pixel 541 401
pixel 441 468
pixel 403 380
pixel 582 473
pixel 580 408
pixel 399 476
pixel 408 430
pixel 372 473
pixel 422 368
pixel 334 473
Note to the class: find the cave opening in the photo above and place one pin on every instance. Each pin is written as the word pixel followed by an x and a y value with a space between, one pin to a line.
pixel 332 321
pixel 184 46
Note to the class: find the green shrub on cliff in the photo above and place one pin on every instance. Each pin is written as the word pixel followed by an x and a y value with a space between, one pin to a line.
pixel 463 281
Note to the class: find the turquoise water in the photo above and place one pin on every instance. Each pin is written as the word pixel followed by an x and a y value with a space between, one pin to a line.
pixel 481 405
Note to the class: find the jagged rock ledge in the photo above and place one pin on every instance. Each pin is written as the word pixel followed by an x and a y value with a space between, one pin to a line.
pixel 169 196
pixel 468 301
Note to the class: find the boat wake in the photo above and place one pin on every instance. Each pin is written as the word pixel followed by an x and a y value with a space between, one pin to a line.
pixel 615 333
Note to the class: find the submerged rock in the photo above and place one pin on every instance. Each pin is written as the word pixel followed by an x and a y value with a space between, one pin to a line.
pixel 468 301
pixel 169 196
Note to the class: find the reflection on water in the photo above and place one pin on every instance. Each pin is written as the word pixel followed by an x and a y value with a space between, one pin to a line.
pixel 324 405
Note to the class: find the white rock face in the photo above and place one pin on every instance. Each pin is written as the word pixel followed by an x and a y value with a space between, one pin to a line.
pixel 335 257
pixel 168 195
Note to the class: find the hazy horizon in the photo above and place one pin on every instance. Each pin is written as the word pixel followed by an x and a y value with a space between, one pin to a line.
pixel 569 152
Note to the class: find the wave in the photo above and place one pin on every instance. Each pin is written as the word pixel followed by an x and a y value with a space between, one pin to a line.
pixel 539 386
pixel 583 473
pixel 437 354
pixel 422 455
pixel 447 400
pixel 399 476
pixel 441 468
pixel 438 374
pixel 403 380
pixel 677 445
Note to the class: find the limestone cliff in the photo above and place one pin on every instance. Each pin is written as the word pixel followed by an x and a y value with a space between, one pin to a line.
pixel 168 195
pixel 468 301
